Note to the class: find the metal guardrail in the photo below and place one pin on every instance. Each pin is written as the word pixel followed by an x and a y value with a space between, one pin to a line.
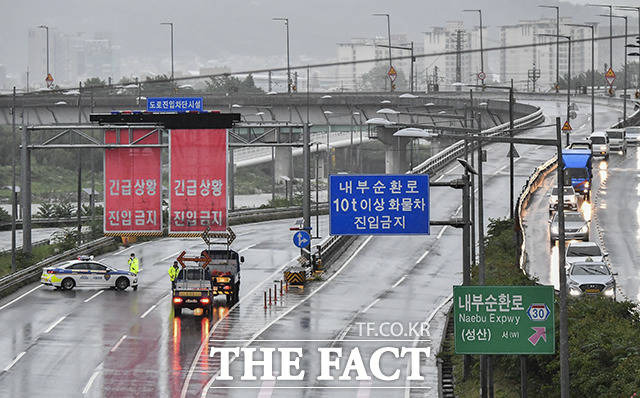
pixel 41 221
pixel 32 272
pixel 332 245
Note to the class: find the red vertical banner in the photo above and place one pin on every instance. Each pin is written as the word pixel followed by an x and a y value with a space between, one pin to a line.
pixel 198 179
pixel 132 184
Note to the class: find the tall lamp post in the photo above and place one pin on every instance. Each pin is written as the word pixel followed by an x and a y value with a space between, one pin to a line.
pixel 286 25
pixel 610 7
pixel 593 70
pixel 624 93
pixel 629 8
pixel 483 75
pixel 557 85
pixel 568 75
pixel 171 26
pixel 45 27
pixel 389 38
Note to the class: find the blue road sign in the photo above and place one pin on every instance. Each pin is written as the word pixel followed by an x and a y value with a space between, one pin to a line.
pixel 174 104
pixel 301 239
pixel 381 204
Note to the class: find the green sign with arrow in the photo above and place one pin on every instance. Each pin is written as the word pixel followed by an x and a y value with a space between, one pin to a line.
pixel 503 319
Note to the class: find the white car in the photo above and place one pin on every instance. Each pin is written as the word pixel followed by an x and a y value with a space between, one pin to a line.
pixel 599 144
pixel 570 199
pixel 584 251
pixel 617 140
pixel 86 272
pixel 591 278
pixel 633 135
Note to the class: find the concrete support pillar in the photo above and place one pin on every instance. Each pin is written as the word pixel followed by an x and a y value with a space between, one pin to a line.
pixel 283 164
pixel 395 152
pixel 26 192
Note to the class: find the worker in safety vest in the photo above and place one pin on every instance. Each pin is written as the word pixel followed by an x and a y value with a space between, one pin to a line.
pixel 133 264
pixel 174 270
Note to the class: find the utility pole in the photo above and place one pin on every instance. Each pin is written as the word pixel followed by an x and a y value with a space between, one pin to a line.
pixel 610 15
pixel 557 35
pixel 624 93
pixel 482 74
pixel 286 25
pixel 45 27
pixel 171 26
pixel 458 59
pixel 79 153
pixel 306 198
pixel 389 39
pixel 512 149
pixel 13 183
pixel 629 8
pixel 593 70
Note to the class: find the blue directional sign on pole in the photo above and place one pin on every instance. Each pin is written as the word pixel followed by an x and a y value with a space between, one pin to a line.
pixel 380 204
pixel 174 104
pixel 301 239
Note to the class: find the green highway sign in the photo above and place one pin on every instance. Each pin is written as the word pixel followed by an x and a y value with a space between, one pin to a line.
pixel 503 319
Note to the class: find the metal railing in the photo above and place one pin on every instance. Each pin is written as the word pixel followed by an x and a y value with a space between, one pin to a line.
pixel 32 272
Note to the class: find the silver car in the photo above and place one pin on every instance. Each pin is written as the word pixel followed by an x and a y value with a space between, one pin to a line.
pixel 584 251
pixel 575 227
pixel 86 272
pixel 633 135
pixel 591 278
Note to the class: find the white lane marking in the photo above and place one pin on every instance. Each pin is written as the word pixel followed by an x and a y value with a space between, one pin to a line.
pixel 247 248
pixel 266 390
pixel 422 257
pixel 400 281
pixel 18 298
pixel 451 170
pixel 407 385
pixel 14 361
pixel 131 247
pixel 153 307
pixel 364 391
pixel 206 388
pixel 371 305
pixel 94 296
pixel 115 347
pixel 442 232
pixel 53 325
pixel 87 386
pixel 439 178
pixel 192 368
pixel 344 332
pixel 171 255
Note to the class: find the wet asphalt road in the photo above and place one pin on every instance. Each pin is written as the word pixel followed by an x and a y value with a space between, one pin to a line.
pixel 37 234
pixel 70 343
pixel 122 344
pixel 607 212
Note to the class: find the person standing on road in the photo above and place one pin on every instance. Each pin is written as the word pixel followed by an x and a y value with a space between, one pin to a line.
pixel 133 264
pixel 173 274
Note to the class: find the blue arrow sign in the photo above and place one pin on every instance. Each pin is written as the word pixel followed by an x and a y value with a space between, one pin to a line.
pixel 301 239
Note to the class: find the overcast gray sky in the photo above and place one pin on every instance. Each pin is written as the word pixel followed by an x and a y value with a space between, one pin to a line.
pixel 238 33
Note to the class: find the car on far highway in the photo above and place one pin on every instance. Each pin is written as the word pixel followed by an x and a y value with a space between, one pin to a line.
pixel 633 135
pixel 617 140
pixel 575 227
pixel 591 278
pixel 583 251
pixel 87 273
pixel 599 144
pixel 570 199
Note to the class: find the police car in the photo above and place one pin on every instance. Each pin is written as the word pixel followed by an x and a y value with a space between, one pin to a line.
pixel 86 272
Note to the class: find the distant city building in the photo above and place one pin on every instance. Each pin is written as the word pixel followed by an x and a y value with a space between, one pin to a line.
pixel 348 77
pixel 3 77
pixel 443 69
pixel 516 63
pixel 72 57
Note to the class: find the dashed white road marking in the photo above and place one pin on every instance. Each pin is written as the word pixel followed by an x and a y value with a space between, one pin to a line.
pixel 371 305
pixel 115 347
pixel 441 232
pixel 21 296
pixel 87 386
pixel 53 325
pixel 94 296
pixel 17 358
pixel 425 254
pixel 399 281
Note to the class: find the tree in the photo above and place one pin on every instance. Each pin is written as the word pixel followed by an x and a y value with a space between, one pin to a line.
pixel 94 82
pixel 228 84
pixel 158 85
pixel 375 79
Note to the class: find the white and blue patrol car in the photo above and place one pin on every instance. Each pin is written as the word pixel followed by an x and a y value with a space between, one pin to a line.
pixel 86 272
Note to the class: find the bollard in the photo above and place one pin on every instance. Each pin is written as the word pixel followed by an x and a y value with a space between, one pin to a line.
pixel 265 300
pixel 269 297
pixel 281 293
pixel 275 294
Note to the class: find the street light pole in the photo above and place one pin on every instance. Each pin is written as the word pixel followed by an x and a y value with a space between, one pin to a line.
pixel 568 75
pixel 286 25
pixel 629 8
pixel 171 26
pixel 481 46
pixel 624 89
pixel 13 184
pixel 593 70
pixel 557 44
pixel 389 38
pixel 610 7
pixel 45 27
